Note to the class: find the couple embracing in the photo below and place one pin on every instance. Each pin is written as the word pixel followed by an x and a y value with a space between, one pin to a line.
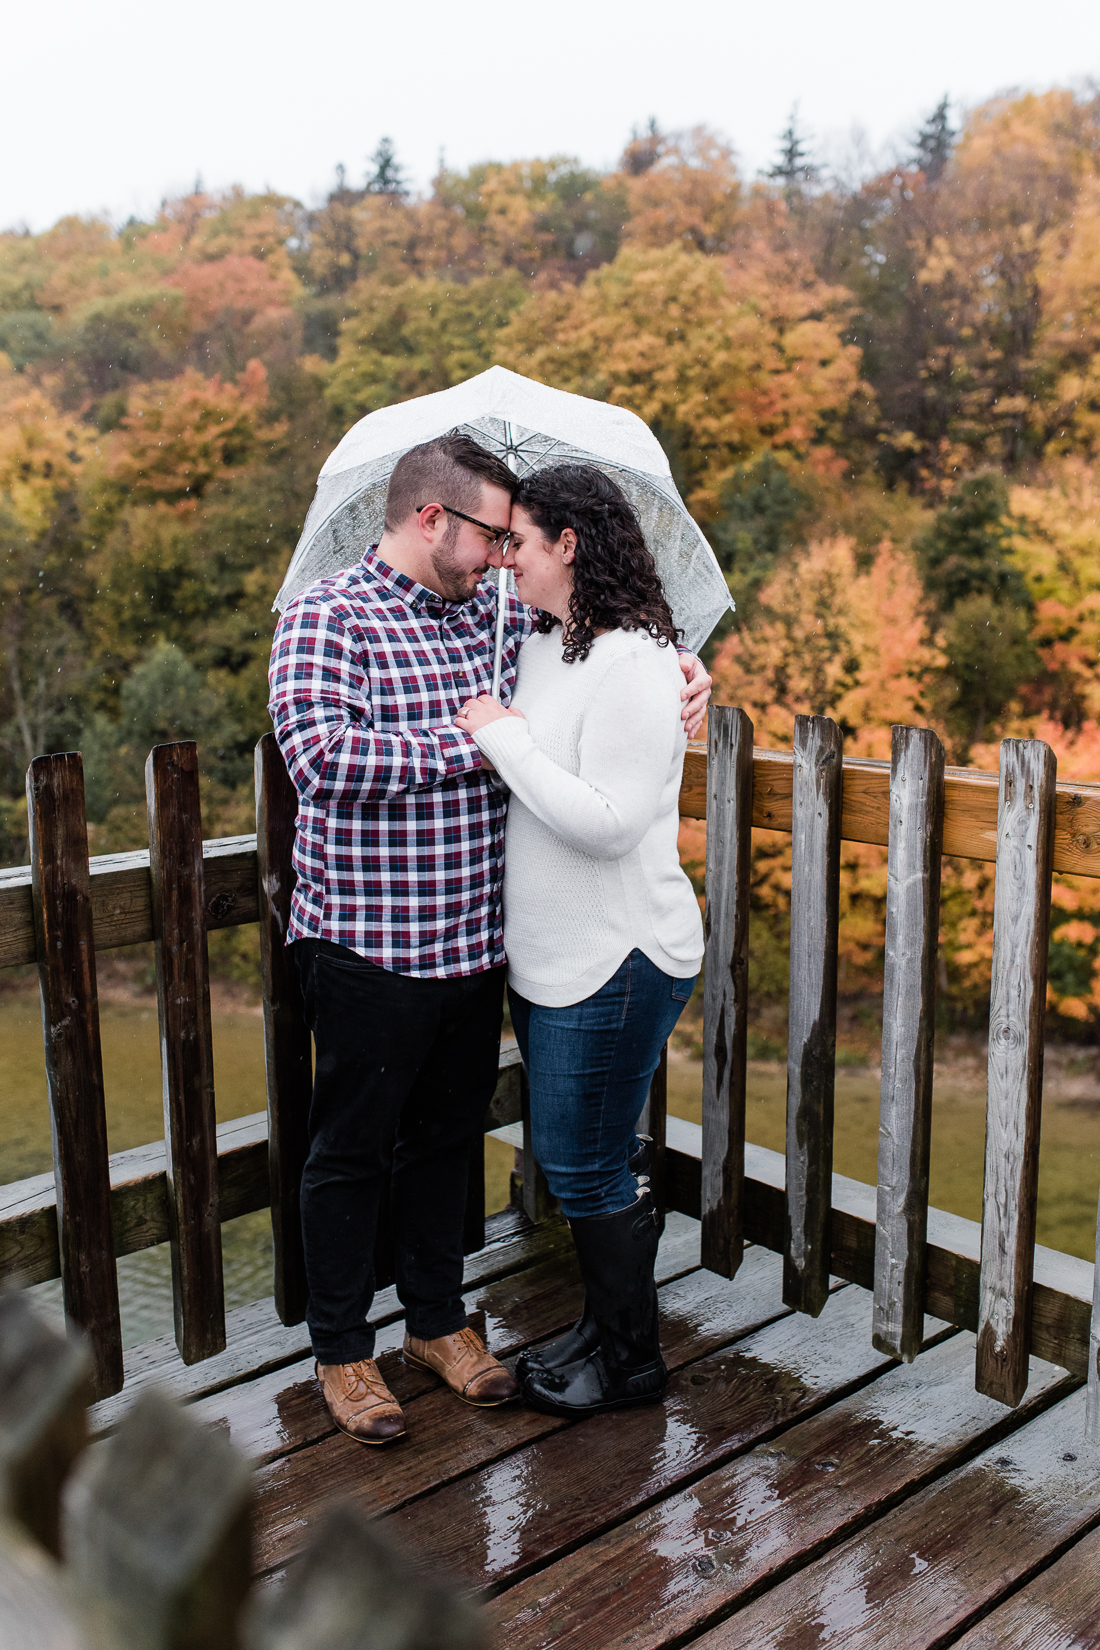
pixel 448 841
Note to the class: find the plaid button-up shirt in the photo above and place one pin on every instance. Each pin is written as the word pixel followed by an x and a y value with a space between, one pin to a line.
pixel 399 845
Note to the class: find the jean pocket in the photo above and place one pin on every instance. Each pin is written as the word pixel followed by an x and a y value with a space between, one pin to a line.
pixel 682 989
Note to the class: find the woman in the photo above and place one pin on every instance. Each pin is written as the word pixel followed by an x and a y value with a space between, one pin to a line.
pixel 601 926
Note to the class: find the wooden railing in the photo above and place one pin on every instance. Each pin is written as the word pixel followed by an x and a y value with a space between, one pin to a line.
pixel 145 1569
pixel 63 909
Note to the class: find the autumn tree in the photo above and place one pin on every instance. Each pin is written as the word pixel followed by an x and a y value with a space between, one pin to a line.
pixel 723 359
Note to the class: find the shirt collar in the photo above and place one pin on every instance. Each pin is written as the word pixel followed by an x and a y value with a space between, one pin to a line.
pixel 408 590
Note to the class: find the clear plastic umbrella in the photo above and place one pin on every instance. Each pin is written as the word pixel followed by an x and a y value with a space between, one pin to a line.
pixel 530 426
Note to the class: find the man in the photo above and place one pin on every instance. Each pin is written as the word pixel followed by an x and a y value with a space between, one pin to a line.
pixel 396 920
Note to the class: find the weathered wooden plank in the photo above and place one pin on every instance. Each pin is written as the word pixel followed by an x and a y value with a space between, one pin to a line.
pixel 1059 1610
pixel 811 1039
pixel 1093 1405
pixel 908 1038
pixel 1063 1285
pixel 970 807
pixel 521 1514
pixel 288 1047
pixel 924 1572
pixel 74 1060
pixel 157 1528
pixel 700 1314
pixel 1017 1011
pixel 726 985
pixel 120 882
pixel 139 1211
pixel 695 1555
pixel 187 1053
pixel 121 901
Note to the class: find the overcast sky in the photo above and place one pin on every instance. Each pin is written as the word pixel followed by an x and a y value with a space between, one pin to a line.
pixel 107 108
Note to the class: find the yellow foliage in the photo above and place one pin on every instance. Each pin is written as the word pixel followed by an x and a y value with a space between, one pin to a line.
pixel 725 359
pixel 690 196
pixel 41 450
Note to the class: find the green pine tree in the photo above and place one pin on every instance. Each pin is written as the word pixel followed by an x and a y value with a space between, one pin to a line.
pixel 933 143
pixel 794 169
pixel 388 177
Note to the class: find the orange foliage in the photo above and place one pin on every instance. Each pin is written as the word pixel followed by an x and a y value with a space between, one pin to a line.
pixel 690 196
pixel 176 438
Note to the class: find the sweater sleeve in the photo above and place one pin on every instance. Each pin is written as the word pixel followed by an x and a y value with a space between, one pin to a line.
pixel 628 738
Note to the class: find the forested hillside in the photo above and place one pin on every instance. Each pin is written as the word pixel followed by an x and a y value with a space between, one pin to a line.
pixel 881 400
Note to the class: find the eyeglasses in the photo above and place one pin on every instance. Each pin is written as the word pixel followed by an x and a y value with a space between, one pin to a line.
pixel 499 537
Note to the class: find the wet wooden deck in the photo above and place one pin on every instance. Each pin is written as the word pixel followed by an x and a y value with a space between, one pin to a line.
pixel 796 1488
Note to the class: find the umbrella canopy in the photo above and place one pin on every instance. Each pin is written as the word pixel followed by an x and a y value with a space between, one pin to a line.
pixel 530 426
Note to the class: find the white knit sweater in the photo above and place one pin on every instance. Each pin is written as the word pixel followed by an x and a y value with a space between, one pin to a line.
pixel 591 869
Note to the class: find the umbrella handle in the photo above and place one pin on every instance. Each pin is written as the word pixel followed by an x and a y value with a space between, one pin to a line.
pixel 502 591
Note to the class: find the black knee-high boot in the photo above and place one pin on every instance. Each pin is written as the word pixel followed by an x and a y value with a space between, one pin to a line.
pixel 616 1255
pixel 584 1336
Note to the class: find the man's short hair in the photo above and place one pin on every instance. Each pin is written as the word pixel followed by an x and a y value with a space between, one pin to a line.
pixel 450 470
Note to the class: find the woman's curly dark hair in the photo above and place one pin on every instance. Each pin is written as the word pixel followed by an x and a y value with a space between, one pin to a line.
pixel 616 585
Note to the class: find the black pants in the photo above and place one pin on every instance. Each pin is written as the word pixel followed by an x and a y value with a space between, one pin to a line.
pixel 405 1070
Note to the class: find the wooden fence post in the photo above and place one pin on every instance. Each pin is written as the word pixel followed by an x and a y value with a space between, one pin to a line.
pixel 287 1044
pixel 36 1611
pixel 1092 1396
pixel 726 986
pixel 44 1389
pixel 350 1587
pixel 65 944
pixel 811 1046
pixel 908 1038
pixel 157 1533
pixel 1017 1011
pixel 187 1055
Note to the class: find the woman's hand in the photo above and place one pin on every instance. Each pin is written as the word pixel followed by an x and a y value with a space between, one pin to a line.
pixel 696 694
pixel 478 713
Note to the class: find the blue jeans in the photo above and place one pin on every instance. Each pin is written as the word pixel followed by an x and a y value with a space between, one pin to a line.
pixel 590 1066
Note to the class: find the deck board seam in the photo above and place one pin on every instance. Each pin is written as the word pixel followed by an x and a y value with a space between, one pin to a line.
pixel 1018 1583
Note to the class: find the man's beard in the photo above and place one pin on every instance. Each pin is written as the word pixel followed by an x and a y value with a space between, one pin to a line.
pixel 457 584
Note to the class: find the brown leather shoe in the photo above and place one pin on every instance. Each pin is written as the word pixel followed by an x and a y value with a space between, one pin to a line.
pixel 360 1402
pixel 468 1369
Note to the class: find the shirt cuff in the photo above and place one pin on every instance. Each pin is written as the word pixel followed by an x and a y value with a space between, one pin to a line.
pixel 502 739
pixel 459 750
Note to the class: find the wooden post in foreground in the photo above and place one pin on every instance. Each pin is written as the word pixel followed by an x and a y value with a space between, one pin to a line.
pixel 811 1045
pixel 44 1388
pixel 157 1533
pixel 1017 1011
pixel 908 1039
pixel 351 1587
pixel 726 986
pixel 288 1053
pixel 187 1054
pixel 65 943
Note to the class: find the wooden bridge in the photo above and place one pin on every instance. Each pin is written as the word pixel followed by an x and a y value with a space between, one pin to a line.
pixel 881 1423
